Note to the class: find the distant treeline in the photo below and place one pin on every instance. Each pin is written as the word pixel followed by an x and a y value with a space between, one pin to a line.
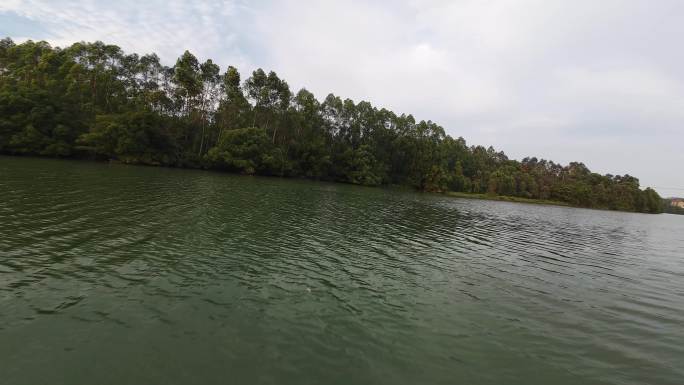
pixel 669 208
pixel 91 100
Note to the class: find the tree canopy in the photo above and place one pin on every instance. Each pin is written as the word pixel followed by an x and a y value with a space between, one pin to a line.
pixel 92 100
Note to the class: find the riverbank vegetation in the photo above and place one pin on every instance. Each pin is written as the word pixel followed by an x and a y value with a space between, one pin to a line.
pixel 91 100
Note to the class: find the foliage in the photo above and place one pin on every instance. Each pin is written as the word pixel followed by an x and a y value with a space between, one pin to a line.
pixel 243 150
pixel 93 100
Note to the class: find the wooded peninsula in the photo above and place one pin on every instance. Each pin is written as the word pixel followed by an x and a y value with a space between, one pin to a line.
pixel 93 101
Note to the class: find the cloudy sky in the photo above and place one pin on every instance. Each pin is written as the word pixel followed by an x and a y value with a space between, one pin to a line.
pixel 576 80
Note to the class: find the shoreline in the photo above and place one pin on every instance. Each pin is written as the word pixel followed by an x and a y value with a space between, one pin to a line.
pixel 451 194
pixel 512 199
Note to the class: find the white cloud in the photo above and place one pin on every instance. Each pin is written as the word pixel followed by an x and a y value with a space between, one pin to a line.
pixel 634 100
pixel 165 27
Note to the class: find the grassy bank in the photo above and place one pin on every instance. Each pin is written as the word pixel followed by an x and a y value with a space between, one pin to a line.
pixel 505 198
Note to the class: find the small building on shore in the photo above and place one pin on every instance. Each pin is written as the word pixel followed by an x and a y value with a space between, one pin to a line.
pixel 677 202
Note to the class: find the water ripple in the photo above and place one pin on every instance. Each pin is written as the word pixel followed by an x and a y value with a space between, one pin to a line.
pixel 299 281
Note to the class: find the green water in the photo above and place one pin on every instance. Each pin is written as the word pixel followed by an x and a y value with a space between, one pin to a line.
pixel 113 274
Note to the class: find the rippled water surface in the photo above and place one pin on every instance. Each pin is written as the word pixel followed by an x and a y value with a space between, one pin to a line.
pixel 112 274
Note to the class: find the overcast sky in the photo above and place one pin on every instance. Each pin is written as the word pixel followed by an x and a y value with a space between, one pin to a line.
pixel 600 82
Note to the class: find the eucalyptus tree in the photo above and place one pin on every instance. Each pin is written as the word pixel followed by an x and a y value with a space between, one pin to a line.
pixel 188 82
pixel 187 87
pixel 153 84
pixel 308 140
pixel 211 81
pixel 271 97
pixel 234 110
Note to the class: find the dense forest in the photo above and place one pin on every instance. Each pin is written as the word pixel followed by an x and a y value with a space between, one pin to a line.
pixel 91 100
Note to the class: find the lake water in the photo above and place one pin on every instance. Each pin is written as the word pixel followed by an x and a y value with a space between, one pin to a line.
pixel 113 274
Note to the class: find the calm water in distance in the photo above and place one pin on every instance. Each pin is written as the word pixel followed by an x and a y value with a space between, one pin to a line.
pixel 113 274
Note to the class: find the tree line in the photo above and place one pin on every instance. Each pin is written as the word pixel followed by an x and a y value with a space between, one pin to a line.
pixel 668 207
pixel 92 100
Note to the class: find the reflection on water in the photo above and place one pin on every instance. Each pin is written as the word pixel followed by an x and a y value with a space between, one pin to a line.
pixel 112 274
